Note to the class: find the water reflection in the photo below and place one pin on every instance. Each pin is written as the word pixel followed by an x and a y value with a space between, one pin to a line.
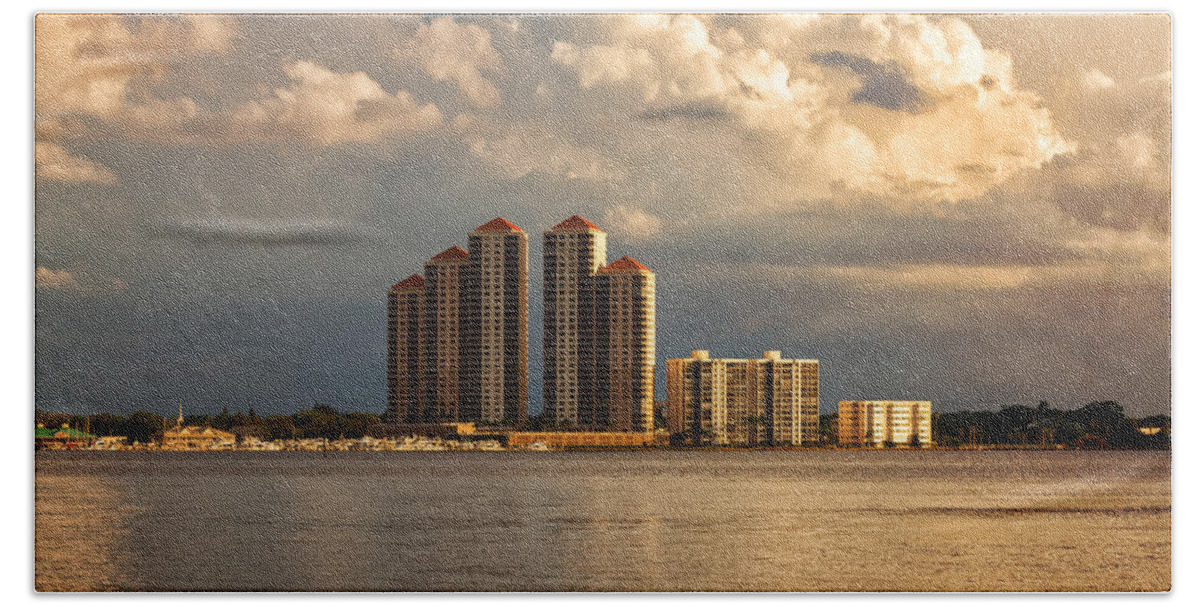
pixel 605 521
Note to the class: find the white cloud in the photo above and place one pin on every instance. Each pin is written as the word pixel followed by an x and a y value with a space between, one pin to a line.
pixel 1094 80
pixel 1138 149
pixel 53 162
pixel 99 66
pixel 901 106
pixel 449 50
pixel 632 223
pixel 48 278
pixel 325 107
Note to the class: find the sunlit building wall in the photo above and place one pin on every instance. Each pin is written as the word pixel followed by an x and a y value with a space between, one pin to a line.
pixel 572 252
pixel 624 342
pixel 878 423
pixel 494 377
pixel 772 400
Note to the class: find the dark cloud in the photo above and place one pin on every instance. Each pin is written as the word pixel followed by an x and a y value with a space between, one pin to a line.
pixel 1124 206
pixel 883 85
pixel 695 111
pixel 865 234
pixel 259 232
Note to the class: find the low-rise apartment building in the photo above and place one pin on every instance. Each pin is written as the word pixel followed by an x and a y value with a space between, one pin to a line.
pixel 885 423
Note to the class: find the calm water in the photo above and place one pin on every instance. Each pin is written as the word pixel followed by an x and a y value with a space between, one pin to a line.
pixel 805 520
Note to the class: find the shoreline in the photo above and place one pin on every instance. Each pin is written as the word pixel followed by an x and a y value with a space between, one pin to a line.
pixel 997 448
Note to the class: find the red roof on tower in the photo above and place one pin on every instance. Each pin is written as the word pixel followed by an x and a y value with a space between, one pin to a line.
pixel 453 253
pixel 414 281
pixel 575 222
pixel 499 225
pixel 626 263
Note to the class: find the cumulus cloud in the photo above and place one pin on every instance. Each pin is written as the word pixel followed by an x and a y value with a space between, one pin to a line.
pixel 325 107
pixel 53 162
pixel 103 67
pixel 98 64
pixel 1095 81
pixel 452 51
pixel 902 106
pixel 883 85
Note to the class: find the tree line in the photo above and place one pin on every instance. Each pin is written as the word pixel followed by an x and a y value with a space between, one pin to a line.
pixel 1099 424
pixel 319 421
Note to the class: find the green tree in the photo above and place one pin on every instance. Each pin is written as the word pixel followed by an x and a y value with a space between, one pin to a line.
pixel 143 426
pixel 279 427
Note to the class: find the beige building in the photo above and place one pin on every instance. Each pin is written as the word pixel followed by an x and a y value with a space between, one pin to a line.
pixel 440 336
pixel 882 423
pixel 468 319
pixel 623 398
pixel 599 333
pixel 572 252
pixel 771 401
pixel 404 348
pixel 494 373
pixel 196 438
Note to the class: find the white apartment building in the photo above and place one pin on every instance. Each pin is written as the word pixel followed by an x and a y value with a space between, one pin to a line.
pixel 880 423
pixel 771 400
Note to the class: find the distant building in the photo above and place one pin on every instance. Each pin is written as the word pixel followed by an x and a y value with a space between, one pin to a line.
pixel 880 423
pixel 572 252
pixel 767 401
pixel 599 333
pixel 110 442
pixel 458 337
pixel 63 438
pixel 494 387
pixel 405 303
pixel 624 349
pixel 441 343
pixel 197 438
pixel 577 439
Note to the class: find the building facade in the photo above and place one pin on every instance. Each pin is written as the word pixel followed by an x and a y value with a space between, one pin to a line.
pixel 405 303
pixel 623 346
pixel 766 401
pixel 598 333
pixel 572 252
pixel 494 372
pixel 458 337
pixel 885 423
pixel 441 347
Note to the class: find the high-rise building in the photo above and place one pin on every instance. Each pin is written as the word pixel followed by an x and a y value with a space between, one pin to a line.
pixel 598 333
pixel 458 338
pixel 771 400
pixel 623 398
pixel 572 252
pixel 881 423
pixel 441 331
pixel 405 303
pixel 494 364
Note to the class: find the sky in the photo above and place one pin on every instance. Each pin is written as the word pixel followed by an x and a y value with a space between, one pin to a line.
pixel 969 209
